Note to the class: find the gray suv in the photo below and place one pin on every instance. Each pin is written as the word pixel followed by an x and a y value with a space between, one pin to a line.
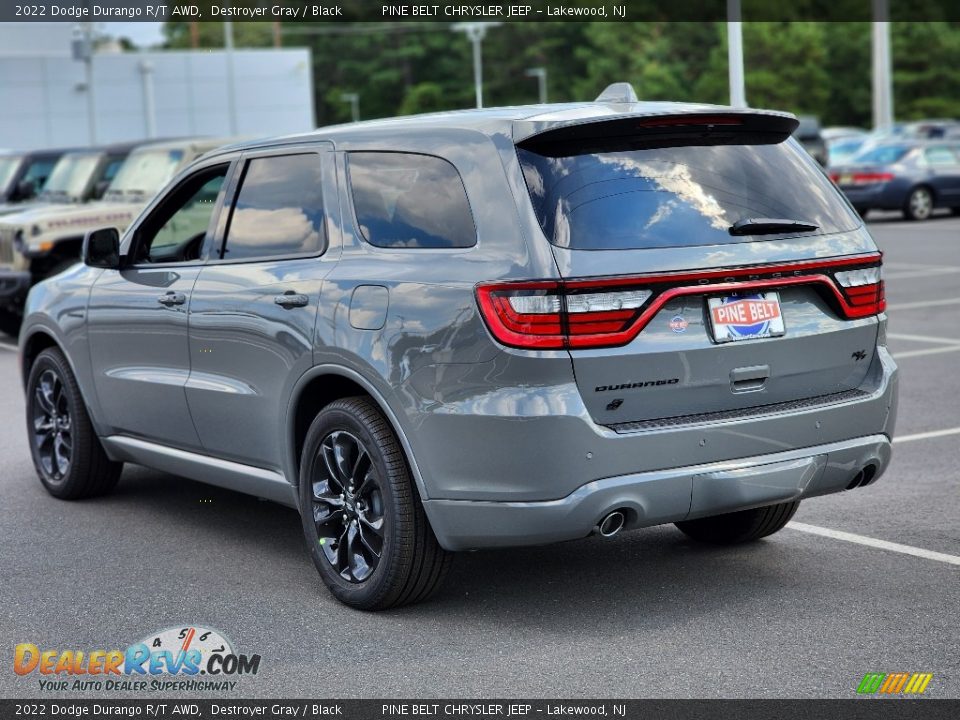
pixel 479 329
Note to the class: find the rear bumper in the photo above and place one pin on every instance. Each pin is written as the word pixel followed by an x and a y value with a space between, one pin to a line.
pixel 885 196
pixel 14 286
pixel 508 493
pixel 655 498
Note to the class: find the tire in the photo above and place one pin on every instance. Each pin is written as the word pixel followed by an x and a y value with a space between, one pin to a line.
pixel 68 456
pixel 861 211
pixel 10 323
pixel 955 211
pixel 919 204
pixel 365 505
pixel 740 527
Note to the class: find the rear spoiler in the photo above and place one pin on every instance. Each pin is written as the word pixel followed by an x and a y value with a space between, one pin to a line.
pixel 645 130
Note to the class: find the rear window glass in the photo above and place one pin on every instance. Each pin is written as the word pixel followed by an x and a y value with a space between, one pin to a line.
pixel 886 155
pixel 404 200
pixel 677 196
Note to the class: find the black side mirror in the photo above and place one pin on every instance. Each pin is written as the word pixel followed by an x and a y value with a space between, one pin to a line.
pixel 101 248
pixel 26 189
pixel 100 188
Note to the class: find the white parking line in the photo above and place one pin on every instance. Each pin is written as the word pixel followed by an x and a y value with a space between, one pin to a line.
pixel 927 435
pixel 904 274
pixel 928 351
pixel 925 339
pixel 873 542
pixel 923 304
pixel 897 263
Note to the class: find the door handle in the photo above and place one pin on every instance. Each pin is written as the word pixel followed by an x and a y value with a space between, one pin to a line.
pixel 290 299
pixel 172 298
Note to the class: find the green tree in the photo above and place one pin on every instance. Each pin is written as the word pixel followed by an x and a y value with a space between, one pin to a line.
pixel 784 67
pixel 925 60
pixel 850 87
pixel 662 60
pixel 210 34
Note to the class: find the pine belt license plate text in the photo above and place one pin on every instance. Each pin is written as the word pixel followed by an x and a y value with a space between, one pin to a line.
pixel 745 317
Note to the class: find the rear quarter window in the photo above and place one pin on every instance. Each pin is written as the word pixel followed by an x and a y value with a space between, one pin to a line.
pixel 406 200
pixel 677 196
pixel 278 210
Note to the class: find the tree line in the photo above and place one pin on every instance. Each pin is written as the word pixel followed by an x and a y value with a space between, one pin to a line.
pixel 816 68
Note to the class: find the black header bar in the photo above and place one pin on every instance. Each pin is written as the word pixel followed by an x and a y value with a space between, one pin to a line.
pixel 312 11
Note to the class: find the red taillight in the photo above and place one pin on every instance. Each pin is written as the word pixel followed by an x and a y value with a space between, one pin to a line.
pixel 869 178
pixel 863 290
pixel 611 311
pixel 556 315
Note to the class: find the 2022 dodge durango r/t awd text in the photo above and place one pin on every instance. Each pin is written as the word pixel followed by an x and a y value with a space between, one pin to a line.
pixel 479 329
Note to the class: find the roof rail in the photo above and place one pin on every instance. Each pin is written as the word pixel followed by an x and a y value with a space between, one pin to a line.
pixel 621 92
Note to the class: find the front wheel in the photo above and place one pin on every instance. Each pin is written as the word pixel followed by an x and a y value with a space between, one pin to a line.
pixel 919 205
pixel 739 527
pixel 363 521
pixel 68 456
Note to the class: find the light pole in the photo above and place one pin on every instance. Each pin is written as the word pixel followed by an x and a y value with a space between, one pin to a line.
pixel 231 91
pixel 149 104
pixel 475 32
pixel 540 73
pixel 83 50
pixel 354 100
pixel 738 94
pixel 882 82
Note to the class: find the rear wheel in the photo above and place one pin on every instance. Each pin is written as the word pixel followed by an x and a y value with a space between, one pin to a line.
pixel 738 527
pixel 68 456
pixel 10 323
pixel 919 205
pixel 364 524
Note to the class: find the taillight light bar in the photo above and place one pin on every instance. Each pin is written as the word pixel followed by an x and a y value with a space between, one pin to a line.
pixel 862 178
pixel 869 178
pixel 610 312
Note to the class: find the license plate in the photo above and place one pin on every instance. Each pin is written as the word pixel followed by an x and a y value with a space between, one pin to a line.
pixel 745 317
pixel 845 180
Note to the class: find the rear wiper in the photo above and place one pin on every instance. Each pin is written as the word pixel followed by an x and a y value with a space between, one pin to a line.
pixel 769 226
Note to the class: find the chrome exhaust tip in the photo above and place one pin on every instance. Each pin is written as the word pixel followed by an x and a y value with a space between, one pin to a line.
pixel 611 524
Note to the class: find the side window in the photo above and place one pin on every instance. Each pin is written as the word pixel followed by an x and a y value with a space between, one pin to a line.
pixel 175 231
pixel 939 156
pixel 278 210
pixel 39 171
pixel 110 169
pixel 404 200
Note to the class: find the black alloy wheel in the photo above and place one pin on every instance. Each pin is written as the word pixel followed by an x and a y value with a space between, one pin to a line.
pixel 67 454
pixel 52 425
pixel 348 507
pixel 362 518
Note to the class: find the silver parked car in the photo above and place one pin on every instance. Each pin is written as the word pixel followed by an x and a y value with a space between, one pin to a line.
pixel 477 329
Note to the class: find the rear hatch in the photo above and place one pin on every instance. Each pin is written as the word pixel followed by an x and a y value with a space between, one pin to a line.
pixel 708 266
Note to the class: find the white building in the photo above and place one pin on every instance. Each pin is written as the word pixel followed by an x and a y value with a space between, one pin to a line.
pixel 45 100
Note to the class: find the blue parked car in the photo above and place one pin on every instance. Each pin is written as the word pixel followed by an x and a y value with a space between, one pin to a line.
pixel 912 176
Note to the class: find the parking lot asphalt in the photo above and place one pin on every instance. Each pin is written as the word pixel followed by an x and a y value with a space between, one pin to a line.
pixel 647 614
